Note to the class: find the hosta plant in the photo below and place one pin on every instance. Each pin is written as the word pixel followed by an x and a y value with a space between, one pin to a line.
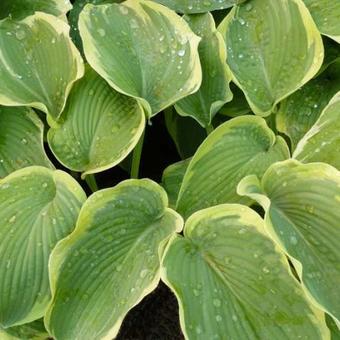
pixel 169 169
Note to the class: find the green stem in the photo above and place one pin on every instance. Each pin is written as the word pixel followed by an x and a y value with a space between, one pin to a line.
pixel 209 129
pixel 136 156
pixel 91 182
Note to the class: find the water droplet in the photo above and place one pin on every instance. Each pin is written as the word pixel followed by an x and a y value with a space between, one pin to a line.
pixel 234 317
pixel 293 240
pixel 241 21
pixel 53 41
pixel 143 273
pixel 198 330
pixel 265 270
pixel 249 7
pixel 161 38
pixel 217 302
pixel 196 292
pixel 20 34
pixel 181 53
pixel 240 55
pixel 44 185
pixel 101 32
pixel 24 141
pixel 54 221
pixel 123 10
pixel 12 219
pixel 218 318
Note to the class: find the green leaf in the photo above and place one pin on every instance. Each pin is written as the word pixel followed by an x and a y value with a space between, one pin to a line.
pixel 241 146
pixel 214 91
pixel 274 48
pixel 321 143
pixel 21 140
pixel 143 50
pixel 31 331
pixel 73 17
pixel 22 8
pixel 335 332
pixel 111 260
pixel 38 208
pixel 238 106
pixel 326 14
pixel 186 133
pixel 230 280
pixel 38 63
pixel 172 179
pixel 300 111
pixel 99 126
pixel 302 215
pixel 197 6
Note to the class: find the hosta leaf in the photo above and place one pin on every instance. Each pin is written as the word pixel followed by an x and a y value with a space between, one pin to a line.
pixel 214 91
pixel 241 146
pixel 99 126
pixel 38 63
pixel 232 282
pixel 274 48
pixel 172 179
pixel 326 14
pixel 30 331
pixel 73 17
pixel 299 112
pixel 21 140
pixel 38 208
pixel 186 133
pixel 142 49
pixel 322 142
pixel 21 8
pixel 238 106
pixel 335 331
pixel 198 6
pixel 111 260
pixel 302 214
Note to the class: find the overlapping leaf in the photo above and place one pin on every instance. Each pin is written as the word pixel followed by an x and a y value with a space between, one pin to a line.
pixel 326 14
pixel 322 142
pixel 142 49
pixel 38 208
pixel 300 111
pixel 302 215
pixel 99 126
pixel 274 48
pixel 21 140
pixel 38 63
pixel 111 260
pixel 21 8
pixel 214 91
pixel 198 6
pixel 242 146
pixel 31 331
pixel 231 281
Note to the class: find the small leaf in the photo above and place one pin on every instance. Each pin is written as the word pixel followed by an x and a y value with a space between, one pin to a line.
pixel 214 91
pixel 326 14
pixel 21 140
pixel 99 126
pixel 18 9
pixel 137 48
pixel 197 6
pixel 38 208
pixel 38 63
pixel 111 260
pixel 302 215
pixel 321 143
pixel 30 331
pixel 172 179
pixel 230 280
pixel 300 111
pixel 241 146
pixel 274 48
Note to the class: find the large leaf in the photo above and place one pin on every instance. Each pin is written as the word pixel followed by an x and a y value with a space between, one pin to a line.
pixel 274 48
pixel 302 214
pixel 172 179
pixel 198 6
pixel 21 140
pixel 111 260
pixel 299 112
pixel 38 63
pixel 21 8
pixel 142 49
pixel 214 91
pixel 321 143
pixel 99 126
pixel 186 133
pixel 232 282
pixel 38 208
pixel 242 146
pixel 326 14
